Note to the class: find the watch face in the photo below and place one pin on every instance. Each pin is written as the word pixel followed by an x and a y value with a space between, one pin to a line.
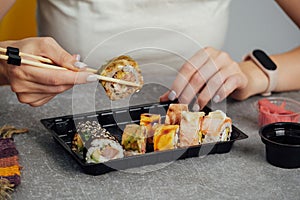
pixel 264 59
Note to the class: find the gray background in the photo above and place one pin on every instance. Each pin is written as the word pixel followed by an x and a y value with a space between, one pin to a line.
pixel 49 172
pixel 259 24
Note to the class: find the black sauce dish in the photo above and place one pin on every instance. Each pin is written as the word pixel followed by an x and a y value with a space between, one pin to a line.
pixel 282 140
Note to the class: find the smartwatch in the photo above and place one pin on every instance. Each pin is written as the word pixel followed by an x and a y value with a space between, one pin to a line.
pixel 269 68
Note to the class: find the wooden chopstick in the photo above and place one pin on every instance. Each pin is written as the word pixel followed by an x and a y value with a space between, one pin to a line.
pixel 48 66
pixel 43 59
pixel 40 58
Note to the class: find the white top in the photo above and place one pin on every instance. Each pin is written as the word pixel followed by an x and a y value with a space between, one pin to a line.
pixel 102 29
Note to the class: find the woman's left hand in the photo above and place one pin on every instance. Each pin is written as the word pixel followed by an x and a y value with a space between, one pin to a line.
pixel 210 73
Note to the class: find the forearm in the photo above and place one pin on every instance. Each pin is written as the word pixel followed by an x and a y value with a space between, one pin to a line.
pixel 289 70
pixel 5 6
pixel 288 65
pixel 291 8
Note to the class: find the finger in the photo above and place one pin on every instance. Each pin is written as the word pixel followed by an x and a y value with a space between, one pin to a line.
pixel 213 85
pixel 212 66
pixel 227 88
pixel 22 86
pixel 239 93
pixel 164 97
pixel 49 76
pixel 198 80
pixel 187 71
pixel 41 102
pixel 29 98
pixel 231 84
pixel 76 57
pixel 51 49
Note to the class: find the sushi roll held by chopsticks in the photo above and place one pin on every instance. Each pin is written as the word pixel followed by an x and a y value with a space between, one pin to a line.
pixel 121 68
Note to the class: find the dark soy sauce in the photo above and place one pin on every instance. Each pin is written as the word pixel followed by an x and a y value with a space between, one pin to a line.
pixel 286 139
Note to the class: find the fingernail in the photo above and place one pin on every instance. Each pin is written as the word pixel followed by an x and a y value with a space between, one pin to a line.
pixel 172 95
pixel 216 99
pixel 80 65
pixel 91 78
pixel 77 57
pixel 196 107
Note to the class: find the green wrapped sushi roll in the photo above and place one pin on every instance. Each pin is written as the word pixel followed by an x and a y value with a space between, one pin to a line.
pixel 84 131
pixel 96 143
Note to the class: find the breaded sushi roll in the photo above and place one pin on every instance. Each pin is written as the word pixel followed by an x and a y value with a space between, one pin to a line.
pixel 123 68
pixel 134 139
pixel 149 121
pixel 190 128
pixel 173 116
pixel 165 137
pixel 216 127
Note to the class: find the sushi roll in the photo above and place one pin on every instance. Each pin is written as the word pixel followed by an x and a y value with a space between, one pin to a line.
pixel 173 116
pixel 149 121
pixel 165 137
pixel 123 68
pixel 134 139
pixel 84 131
pixel 95 143
pixel 190 128
pixel 103 147
pixel 216 127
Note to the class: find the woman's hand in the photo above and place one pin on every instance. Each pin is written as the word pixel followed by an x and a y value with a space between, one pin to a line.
pixel 210 73
pixel 36 86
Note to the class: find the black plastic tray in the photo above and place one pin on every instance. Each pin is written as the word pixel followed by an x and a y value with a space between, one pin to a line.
pixel 63 129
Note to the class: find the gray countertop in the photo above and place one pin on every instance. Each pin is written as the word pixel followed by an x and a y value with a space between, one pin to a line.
pixel 50 173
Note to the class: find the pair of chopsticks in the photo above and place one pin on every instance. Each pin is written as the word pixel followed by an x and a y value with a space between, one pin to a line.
pixel 48 64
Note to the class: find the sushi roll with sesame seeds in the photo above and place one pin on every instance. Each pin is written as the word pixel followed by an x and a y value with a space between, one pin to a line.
pixel 102 147
pixel 95 143
pixel 84 131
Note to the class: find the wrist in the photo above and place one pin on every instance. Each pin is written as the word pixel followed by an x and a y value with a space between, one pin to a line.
pixel 257 79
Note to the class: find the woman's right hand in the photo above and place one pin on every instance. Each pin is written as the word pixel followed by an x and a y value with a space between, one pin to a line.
pixel 36 86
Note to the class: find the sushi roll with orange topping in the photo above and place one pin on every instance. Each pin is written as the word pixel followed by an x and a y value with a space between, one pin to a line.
pixel 149 121
pixel 165 137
